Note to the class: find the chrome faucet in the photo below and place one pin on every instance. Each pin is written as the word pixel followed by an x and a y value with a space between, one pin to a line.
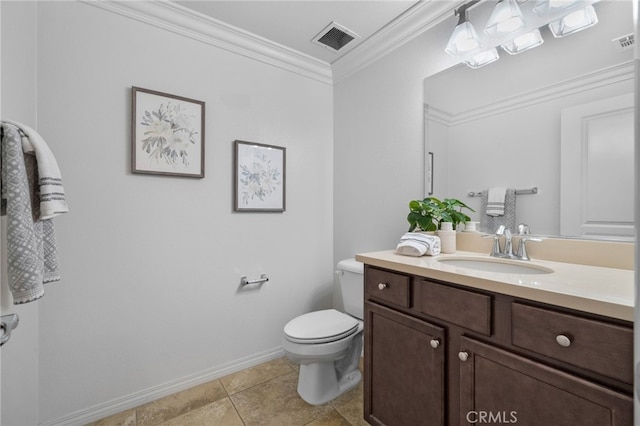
pixel 507 251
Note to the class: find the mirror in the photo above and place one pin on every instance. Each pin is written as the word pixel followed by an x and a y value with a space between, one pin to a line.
pixel 512 124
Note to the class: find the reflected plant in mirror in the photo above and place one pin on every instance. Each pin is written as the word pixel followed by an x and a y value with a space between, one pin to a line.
pixel 559 117
pixel 429 214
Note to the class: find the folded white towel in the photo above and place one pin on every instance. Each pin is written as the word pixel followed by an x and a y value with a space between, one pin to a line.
pixel 52 197
pixel 495 201
pixel 418 244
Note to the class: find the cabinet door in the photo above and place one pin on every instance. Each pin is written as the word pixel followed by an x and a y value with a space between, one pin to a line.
pixel 497 386
pixel 404 369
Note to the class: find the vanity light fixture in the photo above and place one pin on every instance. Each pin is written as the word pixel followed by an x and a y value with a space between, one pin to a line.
pixel 464 38
pixel 574 22
pixel 514 25
pixel 506 18
pixel 549 7
pixel 483 58
pixel 523 42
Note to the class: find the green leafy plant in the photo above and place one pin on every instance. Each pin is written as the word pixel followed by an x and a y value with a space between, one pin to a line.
pixel 428 214
pixel 452 212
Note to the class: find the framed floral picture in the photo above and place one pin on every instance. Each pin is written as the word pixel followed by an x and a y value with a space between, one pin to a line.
pixel 167 134
pixel 259 177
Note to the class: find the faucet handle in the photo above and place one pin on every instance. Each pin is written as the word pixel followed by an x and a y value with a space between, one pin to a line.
pixel 495 249
pixel 522 247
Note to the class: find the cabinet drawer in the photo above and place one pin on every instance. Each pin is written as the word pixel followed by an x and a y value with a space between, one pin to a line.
pixel 594 345
pixel 387 286
pixel 462 307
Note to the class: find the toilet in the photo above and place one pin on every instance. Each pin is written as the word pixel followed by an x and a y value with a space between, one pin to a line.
pixel 328 344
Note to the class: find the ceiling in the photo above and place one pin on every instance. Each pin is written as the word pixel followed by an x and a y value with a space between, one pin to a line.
pixel 295 23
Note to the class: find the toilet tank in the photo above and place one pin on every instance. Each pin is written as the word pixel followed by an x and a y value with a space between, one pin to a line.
pixel 351 276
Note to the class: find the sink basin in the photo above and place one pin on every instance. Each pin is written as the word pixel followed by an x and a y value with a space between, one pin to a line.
pixel 503 266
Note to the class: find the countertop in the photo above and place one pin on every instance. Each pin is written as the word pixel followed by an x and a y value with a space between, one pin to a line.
pixel 594 289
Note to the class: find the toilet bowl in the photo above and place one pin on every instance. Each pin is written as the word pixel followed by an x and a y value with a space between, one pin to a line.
pixel 328 343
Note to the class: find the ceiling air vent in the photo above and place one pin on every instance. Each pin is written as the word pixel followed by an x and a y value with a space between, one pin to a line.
pixel 334 37
pixel 624 42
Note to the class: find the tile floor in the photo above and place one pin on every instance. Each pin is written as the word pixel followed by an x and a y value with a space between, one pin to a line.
pixel 261 395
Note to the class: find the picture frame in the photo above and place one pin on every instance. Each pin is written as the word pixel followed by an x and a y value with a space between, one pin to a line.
pixel 167 134
pixel 259 177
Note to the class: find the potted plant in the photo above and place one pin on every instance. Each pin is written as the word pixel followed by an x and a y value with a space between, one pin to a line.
pixel 429 213
pixel 452 212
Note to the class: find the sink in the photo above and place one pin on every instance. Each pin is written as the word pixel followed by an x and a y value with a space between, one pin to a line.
pixel 503 266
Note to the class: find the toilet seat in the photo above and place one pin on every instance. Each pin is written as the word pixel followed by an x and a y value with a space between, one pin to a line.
pixel 320 327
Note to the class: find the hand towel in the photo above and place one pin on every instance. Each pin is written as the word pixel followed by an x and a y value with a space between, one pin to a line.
pixel 495 201
pixel 52 197
pixel 31 254
pixel 418 244
pixel 491 223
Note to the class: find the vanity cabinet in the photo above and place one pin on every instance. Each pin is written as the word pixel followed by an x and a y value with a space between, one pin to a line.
pixel 404 356
pixel 438 353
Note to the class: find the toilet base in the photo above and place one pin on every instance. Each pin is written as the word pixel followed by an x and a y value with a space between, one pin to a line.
pixel 318 383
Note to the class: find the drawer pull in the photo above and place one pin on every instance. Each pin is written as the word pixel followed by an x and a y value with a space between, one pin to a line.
pixel 463 356
pixel 382 286
pixel 563 340
pixel 435 343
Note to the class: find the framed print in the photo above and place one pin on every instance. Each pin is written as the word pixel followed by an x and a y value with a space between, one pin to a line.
pixel 167 134
pixel 259 177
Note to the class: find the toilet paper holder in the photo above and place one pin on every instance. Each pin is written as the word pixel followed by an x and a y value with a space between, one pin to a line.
pixel 263 279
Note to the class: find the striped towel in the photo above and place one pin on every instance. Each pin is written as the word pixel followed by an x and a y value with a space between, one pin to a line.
pixel 418 244
pixel 495 201
pixel 52 197
pixel 31 246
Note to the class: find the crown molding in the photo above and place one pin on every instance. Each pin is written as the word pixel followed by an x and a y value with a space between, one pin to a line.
pixel 601 78
pixel 180 20
pixel 415 21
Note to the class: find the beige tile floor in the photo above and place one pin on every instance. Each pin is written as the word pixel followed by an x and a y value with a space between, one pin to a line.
pixel 261 395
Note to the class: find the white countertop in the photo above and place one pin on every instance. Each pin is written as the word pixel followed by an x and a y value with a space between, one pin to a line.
pixel 594 289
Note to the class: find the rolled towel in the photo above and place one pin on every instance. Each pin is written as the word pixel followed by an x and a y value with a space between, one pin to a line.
pixel 418 244
pixel 495 201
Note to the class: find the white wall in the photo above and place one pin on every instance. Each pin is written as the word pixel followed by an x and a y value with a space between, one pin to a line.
pixel 378 151
pixel 379 144
pixel 149 299
pixel 18 88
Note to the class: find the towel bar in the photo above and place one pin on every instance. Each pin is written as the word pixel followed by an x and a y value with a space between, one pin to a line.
pixel 533 190
pixel 263 279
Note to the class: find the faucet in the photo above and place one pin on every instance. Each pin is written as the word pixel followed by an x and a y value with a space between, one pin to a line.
pixel 507 251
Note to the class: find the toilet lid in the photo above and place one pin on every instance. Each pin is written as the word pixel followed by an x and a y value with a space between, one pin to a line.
pixel 320 327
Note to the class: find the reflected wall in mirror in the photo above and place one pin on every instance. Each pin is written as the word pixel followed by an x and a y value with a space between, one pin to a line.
pixel 528 121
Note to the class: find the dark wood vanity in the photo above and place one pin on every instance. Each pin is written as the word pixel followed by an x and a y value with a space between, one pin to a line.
pixel 439 353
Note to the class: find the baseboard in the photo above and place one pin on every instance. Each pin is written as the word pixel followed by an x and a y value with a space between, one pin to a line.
pixel 127 402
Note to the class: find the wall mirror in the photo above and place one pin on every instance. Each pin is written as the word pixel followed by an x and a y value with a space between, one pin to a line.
pixel 559 118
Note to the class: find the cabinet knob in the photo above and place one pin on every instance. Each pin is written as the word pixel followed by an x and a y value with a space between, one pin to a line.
pixel 463 356
pixel 382 286
pixel 434 343
pixel 563 340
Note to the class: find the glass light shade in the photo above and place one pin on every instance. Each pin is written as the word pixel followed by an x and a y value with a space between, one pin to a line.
pixel 505 18
pixel 483 58
pixel 547 7
pixel 523 42
pixel 574 22
pixel 464 39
